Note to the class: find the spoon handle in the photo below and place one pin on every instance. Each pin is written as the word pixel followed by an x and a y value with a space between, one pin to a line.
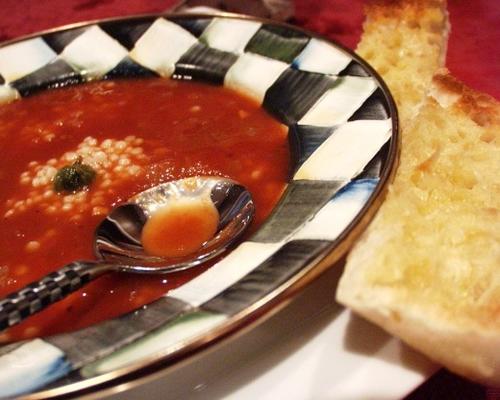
pixel 38 295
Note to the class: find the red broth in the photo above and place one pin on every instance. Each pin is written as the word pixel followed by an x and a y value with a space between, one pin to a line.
pixel 136 134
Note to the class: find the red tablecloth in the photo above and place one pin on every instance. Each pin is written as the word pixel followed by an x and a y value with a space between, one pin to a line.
pixel 473 52
pixel 473 47
pixel 473 56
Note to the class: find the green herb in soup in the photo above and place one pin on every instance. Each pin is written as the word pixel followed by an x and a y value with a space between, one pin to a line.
pixel 72 178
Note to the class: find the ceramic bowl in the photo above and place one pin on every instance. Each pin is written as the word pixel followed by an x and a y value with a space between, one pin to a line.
pixel 343 134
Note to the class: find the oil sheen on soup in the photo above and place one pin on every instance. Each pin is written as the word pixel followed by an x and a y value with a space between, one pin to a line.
pixel 134 134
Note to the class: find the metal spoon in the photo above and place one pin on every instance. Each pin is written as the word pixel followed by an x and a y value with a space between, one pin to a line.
pixel 118 247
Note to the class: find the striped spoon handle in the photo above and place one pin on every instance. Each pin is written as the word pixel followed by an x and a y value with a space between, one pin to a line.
pixel 38 295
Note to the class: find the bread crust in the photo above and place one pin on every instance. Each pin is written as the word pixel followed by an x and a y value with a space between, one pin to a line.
pixel 482 108
pixel 406 9
pixel 471 353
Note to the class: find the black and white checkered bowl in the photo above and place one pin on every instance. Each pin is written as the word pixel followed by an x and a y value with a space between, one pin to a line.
pixel 343 135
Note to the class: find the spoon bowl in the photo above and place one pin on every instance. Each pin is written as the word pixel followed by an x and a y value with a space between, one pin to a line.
pixel 118 243
pixel 118 236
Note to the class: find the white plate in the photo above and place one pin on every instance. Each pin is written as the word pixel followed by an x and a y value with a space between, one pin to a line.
pixel 312 349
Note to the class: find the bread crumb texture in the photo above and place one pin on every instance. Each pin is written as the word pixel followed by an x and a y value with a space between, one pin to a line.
pixel 405 41
pixel 433 251
pixel 445 208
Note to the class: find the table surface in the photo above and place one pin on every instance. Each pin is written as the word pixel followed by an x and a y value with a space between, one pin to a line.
pixel 473 49
pixel 473 56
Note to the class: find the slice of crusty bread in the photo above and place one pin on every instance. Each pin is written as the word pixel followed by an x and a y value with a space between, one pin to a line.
pixel 428 267
pixel 405 41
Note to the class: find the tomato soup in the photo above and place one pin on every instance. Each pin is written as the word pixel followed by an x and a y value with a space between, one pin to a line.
pixel 134 134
